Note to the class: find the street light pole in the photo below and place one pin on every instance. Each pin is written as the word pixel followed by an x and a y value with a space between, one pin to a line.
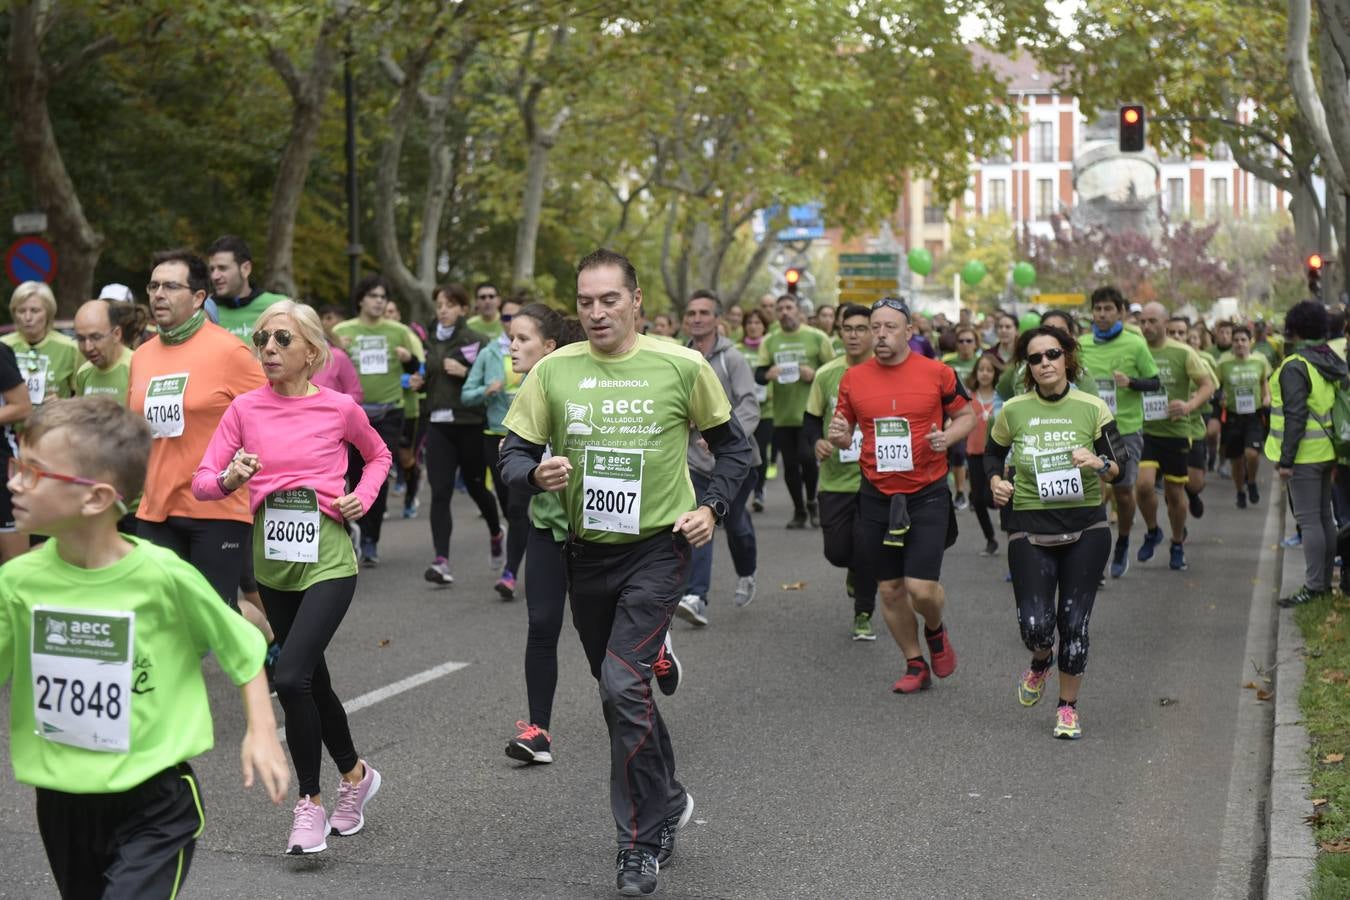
pixel 354 249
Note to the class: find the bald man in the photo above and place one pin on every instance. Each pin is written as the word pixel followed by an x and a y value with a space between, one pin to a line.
pixel 108 368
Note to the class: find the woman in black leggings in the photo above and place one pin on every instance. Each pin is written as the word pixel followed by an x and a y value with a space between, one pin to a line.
pixel 1063 442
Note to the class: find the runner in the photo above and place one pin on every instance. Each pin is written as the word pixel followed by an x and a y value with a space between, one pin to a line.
pixel 734 323
pixel 1005 335
pixel 182 381
pixel 104 728
pixel 1245 378
pixel 840 476
pixel 900 400
pixel 986 402
pixel 107 367
pixel 14 410
pixel 338 374
pixel 1223 338
pixel 46 357
pixel 756 327
pixel 962 361
pixel 288 441
pixel 789 359
pixel 455 434
pixel 487 319
pixel 1200 460
pixel 1302 390
pixel 633 516
pixel 1059 437
pixel 238 302
pixel 1171 417
pixel 701 315
pixel 407 464
pixel 1118 361
pixel 383 352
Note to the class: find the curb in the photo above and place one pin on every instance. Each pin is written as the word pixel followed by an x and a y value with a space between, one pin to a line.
pixel 1291 851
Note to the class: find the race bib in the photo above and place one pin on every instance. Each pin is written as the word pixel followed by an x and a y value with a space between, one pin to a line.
pixel 164 408
pixel 1106 389
pixel 291 526
pixel 612 490
pixel 35 374
pixel 895 452
pixel 1058 480
pixel 442 416
pixel 81 670
pixel 789 367
pixel 372 354
pixel 854 451
pixel 1245 400
pixel 1155 406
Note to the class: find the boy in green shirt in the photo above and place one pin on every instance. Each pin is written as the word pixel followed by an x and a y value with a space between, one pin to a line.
pixel 102 636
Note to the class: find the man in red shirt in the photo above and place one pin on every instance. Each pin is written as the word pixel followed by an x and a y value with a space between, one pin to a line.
pixel 901 401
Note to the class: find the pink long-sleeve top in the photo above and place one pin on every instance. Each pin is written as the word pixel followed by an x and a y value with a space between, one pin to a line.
pixel 339 374
pixel 300 442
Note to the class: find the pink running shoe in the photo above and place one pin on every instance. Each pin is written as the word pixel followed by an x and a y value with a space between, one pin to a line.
pixel 349 814
pixel 308 829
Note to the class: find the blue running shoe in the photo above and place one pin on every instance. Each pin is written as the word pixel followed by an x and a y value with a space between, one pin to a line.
pixel 1120 564
pixel 1152 538
pixel 1178 560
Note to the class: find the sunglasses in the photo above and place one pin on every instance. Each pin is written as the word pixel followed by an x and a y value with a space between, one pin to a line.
pixel 507 317
pixel 892 303
pixel 1052 354
pixel 283 337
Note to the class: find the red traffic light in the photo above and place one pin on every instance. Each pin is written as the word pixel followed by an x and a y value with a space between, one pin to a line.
pixel 1315 261
pixel 1132 128
pixel 792 276
pixel 1130 115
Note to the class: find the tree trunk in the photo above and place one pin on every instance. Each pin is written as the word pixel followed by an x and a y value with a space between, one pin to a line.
pixel 532 205
pixel 77 243
pixel 387 249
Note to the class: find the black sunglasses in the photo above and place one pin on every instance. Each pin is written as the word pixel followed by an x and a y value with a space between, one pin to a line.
pixel 1052 354
pixel 892 303
pixel 283 337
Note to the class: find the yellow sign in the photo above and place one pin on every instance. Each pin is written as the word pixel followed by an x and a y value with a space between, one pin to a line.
pixel 1061 299
pixel 861 296
pixel 852 283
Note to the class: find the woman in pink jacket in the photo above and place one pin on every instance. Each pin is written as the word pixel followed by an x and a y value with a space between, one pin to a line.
pixel 288 442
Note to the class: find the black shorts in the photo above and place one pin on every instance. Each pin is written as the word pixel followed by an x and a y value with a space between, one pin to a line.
pixel 217 548
pixel 1197 457
pixel 1167 454
pixel 932 529
pixel 956 454
pixel 1242 432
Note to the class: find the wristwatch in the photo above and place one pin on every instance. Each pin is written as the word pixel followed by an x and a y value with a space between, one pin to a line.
pixel 719 509
pixel 1106 467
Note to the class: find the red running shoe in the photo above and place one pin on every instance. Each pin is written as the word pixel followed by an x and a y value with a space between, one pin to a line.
pixel 943 654
pixel 916 678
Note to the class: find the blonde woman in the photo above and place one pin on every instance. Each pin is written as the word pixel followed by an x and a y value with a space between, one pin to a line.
pixel 47 358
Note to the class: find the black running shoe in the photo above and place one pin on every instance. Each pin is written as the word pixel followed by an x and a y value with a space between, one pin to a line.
pixel 1253 494
pixel 813 513
pixel 1197 506
pixel 798 521
pixel 671 826
pixel 667 670
pixel 636 872
pixel 1242 500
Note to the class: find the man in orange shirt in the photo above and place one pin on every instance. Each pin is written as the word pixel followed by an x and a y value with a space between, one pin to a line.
pixel 182 381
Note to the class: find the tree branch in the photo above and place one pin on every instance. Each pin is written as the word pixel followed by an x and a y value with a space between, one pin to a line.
pixel 1305 90
pixel 84 56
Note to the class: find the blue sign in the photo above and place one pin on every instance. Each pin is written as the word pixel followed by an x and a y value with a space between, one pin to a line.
pixel 30 259
pixel 804 222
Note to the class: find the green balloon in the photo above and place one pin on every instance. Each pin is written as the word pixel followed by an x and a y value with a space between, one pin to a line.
pixel 973 272
pixel 1028 321
pixel 920 261
pixel 1024 273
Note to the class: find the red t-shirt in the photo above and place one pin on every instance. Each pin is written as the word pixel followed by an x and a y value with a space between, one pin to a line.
pixel 909 399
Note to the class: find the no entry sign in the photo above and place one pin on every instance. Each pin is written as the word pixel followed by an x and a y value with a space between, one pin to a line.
pixel 30 259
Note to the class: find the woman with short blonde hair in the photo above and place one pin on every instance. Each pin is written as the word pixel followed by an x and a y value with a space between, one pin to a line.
pixel 47 358
pixel 308 327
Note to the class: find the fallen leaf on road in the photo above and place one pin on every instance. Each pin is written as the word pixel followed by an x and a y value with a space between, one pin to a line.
pixel 1332 758
pixel 1314 820
pixel 1251 686
pixel 1341 845
pixel 1319 801
pixel 795 586
pixel 1264 695
pixel 1167 701
pixel 384 642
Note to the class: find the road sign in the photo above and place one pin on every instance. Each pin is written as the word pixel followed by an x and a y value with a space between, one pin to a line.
pixel 30 259
pixel 863 296
pixel 1060 299
pixel 30 223
pixel 848 283
pixel 891 259
pixel 861 271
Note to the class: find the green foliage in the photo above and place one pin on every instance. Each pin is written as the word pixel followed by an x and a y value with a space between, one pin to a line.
pixel 1325 701
pixel 987 240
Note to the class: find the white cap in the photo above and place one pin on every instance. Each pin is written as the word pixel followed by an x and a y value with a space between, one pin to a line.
pixel 1136 307
pixel 118 293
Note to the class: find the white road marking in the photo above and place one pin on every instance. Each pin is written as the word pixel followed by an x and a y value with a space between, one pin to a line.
pixel 393 690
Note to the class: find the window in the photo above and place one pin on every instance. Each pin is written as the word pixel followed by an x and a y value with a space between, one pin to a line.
pixel 1045 198
pixel 1218 196
pixel 1262 196
pixel 1043 142
pixel 1176 196
pixel 998 195
pixel 933 212
pixel 1221 151
pixel 1003 155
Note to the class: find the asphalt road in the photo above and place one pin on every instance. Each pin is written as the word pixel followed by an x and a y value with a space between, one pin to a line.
pixel 811 779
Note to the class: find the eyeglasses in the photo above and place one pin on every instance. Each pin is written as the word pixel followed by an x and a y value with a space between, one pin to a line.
pixel 1052 354
pixel 170 287
pixel 89 338
pixel 855 329
pixel 283 337
pixel 893 303
pixel 29 475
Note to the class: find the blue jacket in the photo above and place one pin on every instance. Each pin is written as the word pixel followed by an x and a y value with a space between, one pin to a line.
pixel 490 366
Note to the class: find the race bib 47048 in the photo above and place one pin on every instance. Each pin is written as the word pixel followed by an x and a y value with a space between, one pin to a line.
pixel 81 670
pixel 164 408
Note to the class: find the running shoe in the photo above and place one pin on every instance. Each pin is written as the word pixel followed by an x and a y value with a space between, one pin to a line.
pixel 1032 684
pixel 1294 540
pixel 757 504
pixel 370 555
pixel 667 669
pixel 636 872
pixel 990 548
pixel 506 585
pixel 1298 598
pixel 349 816
pixel 771 472
pixel 693 609
pixel 798 520
pixel 960 501
pixel 745 590
pixel 1197 505
pixel 531 745
pixel 439 571
pixel 1241 500
pixel 862 627
pixel 942 653
pixel 1152 538
pixel 1178 560
pixel 1066 724
pixel 916 678
pixel 1120 564
pixel 672 826
pixel 497 551
pixel 410 509
pixel 813 513
pixel 309 828
pixel 1253 493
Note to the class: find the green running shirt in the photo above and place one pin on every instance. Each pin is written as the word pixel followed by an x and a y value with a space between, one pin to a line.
pixel 839 472
pixel 806 346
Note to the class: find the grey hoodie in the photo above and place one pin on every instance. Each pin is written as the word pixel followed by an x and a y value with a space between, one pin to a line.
pixel 739 383
pixel 1296 385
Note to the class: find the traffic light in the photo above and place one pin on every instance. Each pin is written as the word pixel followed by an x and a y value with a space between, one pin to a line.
pixel 1131 128
pixel 792 277
pixel 1315 274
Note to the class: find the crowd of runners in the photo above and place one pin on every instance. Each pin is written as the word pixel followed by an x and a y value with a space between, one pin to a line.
pixel 225 469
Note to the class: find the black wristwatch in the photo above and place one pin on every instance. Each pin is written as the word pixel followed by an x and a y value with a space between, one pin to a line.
pixel 1106 467
pixel 719 509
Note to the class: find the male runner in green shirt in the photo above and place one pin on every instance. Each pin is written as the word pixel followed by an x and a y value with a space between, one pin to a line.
pixel 488 302
pixel 615 411
pixel 108 366
pixel 238 302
